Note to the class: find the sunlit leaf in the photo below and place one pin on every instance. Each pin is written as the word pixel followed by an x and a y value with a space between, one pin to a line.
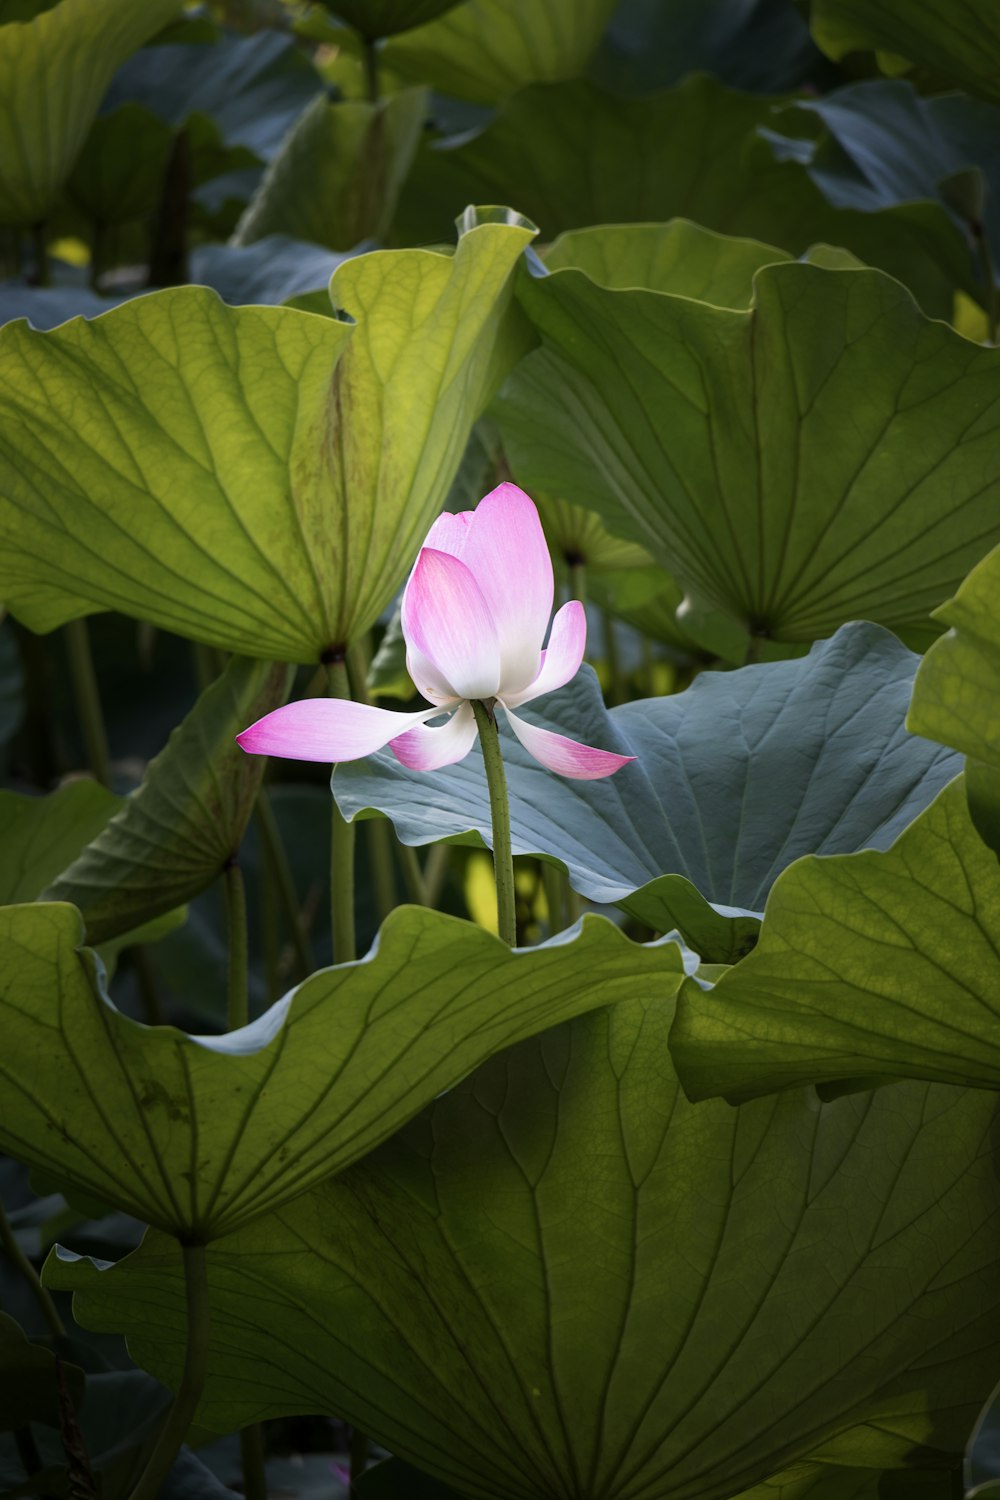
pixel 200 1135
pixel 257 478
pixel 485 49
pixel 54 70
pixel 336 179
pixel 959 39
pixel 868 965
pixel 697 151
pixel 826 454
pixel 564 1279
pixel 177 832
pixel 735 778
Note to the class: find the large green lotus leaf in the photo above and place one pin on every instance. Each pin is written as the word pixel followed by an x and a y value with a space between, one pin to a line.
pixel 957 39
pixel 734 779
pixel 826 454
pixel 200 1134
pixel 54 70
pixel 378 18
pixel 235 91
pixel 175 834
pixel 679 257
pixel 564 1279
pixel 759 45
pixel 338 175
pixel 272 270
pixel 885 143
pixel 869 965
pixel 40 836
pixel 118 175
pixel 486 49
pixel 956 697
pixel 257 478
pixel 694 152
pixel 392 1479
pixel 29 1384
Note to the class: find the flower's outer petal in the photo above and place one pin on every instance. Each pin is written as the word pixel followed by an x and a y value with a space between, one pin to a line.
pixel 428 680
pixel 449 532
pixel 567 757
pixel 561 658
pixel 428 748
pixel 505 549
pixel 446 617
pixel 327 729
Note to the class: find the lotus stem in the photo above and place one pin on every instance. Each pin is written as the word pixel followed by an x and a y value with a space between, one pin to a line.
pixel 342 840
pixel 238 1007
pixel 435 872
pixel 20 1261
pixel 252 1462
pixel 616 685
pixel 503 859
pixel 88 700
pixel 377 830
pixel 577 576
pixel 274 849
pixel 413 875
pixel 185 1403
pixel 371 69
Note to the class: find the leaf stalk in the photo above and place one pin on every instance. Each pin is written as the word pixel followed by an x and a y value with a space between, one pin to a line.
pixel 503 858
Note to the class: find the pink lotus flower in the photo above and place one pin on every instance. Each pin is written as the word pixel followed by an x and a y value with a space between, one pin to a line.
pixel 475 611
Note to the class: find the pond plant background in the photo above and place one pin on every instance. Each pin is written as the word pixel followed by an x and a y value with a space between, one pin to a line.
pixel 312 1184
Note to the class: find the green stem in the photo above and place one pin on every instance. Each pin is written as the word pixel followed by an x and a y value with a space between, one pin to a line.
pixel 359 1455
pixel 274 847
pixel 342 840
pixel 436 872
pixel 371 69
pixel 252 1462
pixel 989 273
pixel 616 687
pixel 552 882
pixel 146 980
pixel 238 1008
pixel 377 831
pixel 503 859
pixel 88 702
pixel 41 1294
pixel 577 578
pixel 39 243
pixel 185 1403
pixel 413 875
pixel 754 645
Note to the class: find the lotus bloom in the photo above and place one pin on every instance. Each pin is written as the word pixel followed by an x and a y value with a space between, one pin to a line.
pixel 474 615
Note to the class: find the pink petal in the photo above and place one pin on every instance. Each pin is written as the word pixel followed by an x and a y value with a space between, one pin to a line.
pixel 505 550
pixel 446 617
pixel 561 658
pixel 449 532
pixel 326 729
pixel 427 679
pixel 567 757
pixel 429 747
